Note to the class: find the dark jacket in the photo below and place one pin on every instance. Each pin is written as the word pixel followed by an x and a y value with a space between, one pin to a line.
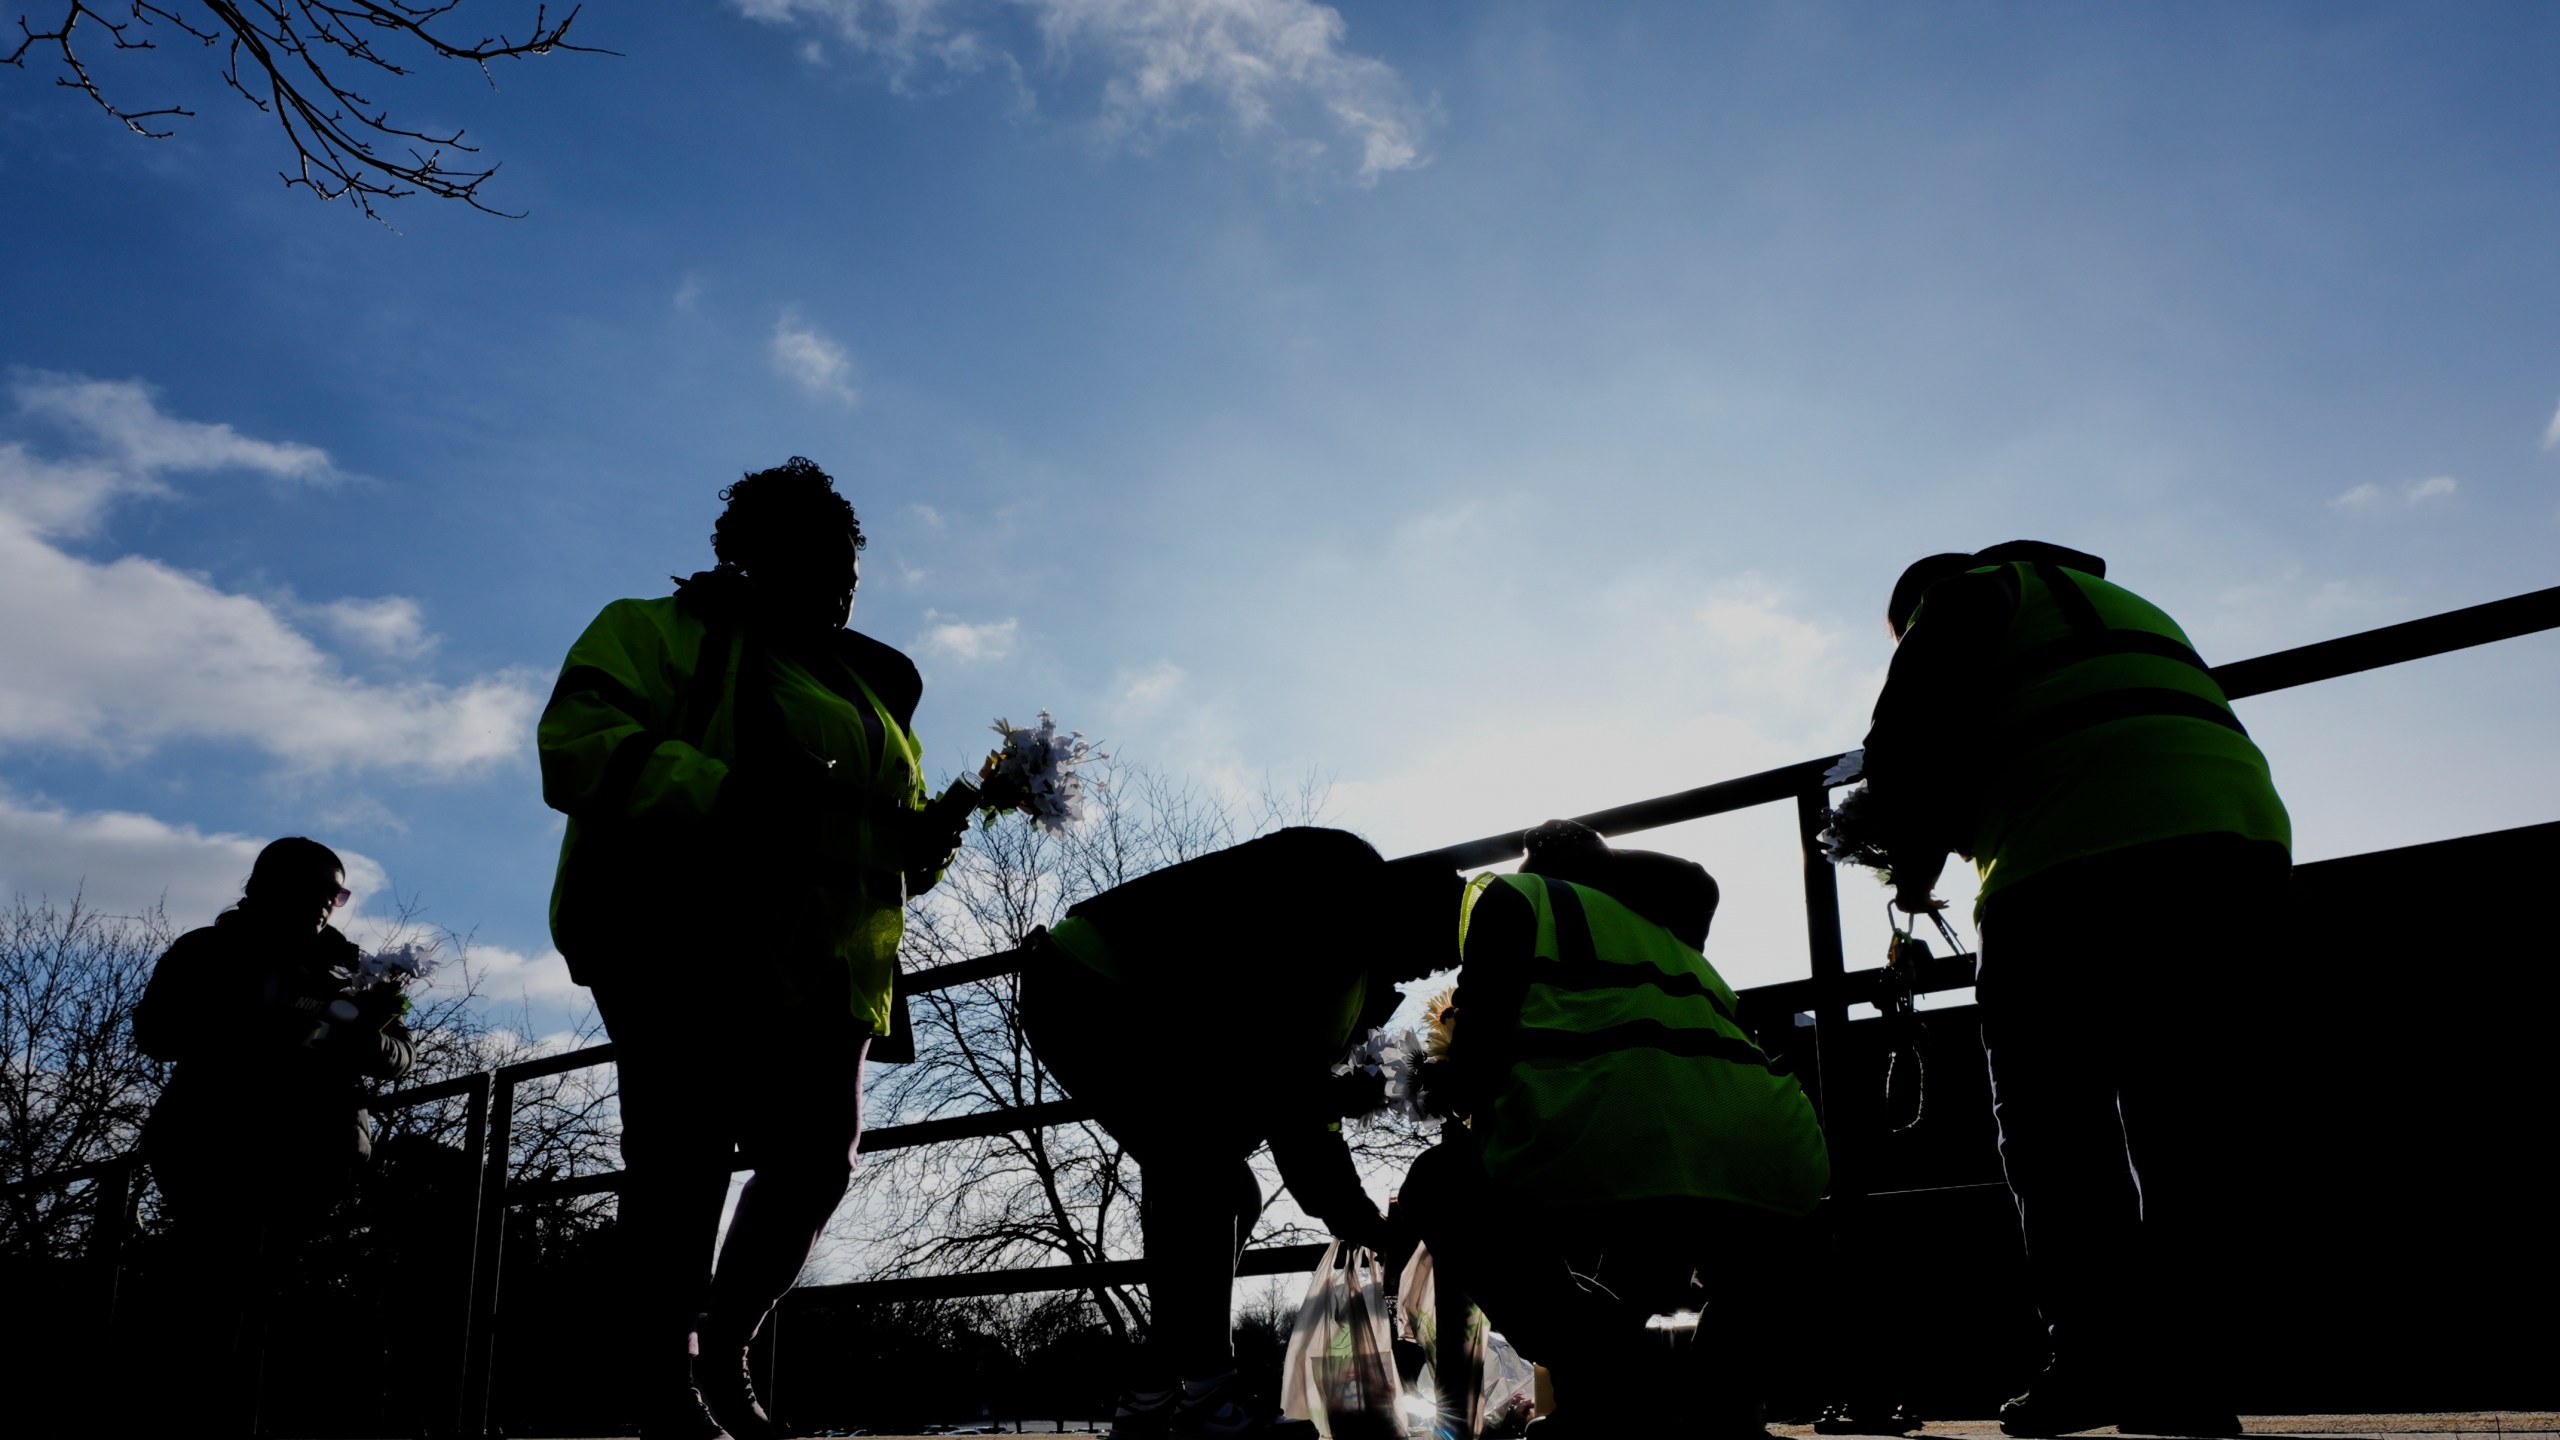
pixel 262 1066
pixel 1261 999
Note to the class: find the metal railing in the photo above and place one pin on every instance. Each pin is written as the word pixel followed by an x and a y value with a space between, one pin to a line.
pixel 1827 994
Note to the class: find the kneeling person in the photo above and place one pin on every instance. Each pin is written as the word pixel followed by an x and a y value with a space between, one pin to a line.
pixel 1256 966
pixel 1624 1134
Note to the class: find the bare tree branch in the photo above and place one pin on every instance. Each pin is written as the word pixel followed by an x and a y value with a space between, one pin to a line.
pixel 298 54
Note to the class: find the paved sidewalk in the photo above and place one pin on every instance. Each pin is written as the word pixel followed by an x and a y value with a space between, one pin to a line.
pixel 2448 1424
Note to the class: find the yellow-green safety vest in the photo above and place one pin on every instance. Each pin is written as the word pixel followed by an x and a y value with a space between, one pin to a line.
pixel 635 745
pixel 2109 732
pixel 1631 1078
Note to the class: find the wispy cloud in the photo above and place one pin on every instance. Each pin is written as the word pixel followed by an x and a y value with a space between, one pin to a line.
pixel 962 641
pixel 122 419
pixel 118 657
pixel 812 360
pixel 1274 70
pixel 2551 434
pixel 391 625
pixel 2369 496
pixel 688 293
pixel 124 862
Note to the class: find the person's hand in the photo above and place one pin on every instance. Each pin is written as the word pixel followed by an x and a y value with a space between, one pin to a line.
pixel 379 1005
pixel 1916 900
pixel 1370 1231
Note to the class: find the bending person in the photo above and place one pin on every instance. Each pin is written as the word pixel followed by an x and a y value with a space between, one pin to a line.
pixel 2057 729
pixel 277 1039
pixel 1261 963
pixel 1624 1139
pixel 741 783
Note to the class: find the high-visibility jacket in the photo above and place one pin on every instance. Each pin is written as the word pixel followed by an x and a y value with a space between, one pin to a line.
pixel 1628 1076
pixel 2108 732
pixel 659 701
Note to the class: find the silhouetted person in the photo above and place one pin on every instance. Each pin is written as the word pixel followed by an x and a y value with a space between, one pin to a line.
pixel 263 1123
pixel 1200 1011
pixel 740 776
pixel 1624 1138
pixel 2059 731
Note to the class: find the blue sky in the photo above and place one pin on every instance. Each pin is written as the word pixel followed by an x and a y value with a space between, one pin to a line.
pixel 1502 409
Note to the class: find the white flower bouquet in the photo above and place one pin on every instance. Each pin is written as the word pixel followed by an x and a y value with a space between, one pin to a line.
pixel 1035 772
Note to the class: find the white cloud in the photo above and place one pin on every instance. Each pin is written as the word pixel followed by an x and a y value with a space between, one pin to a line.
pixel 392 625
pixel 2551 433
pixel 1149 689
pixel 688 293
pixel 1273 69
pixel 927 516
pixel 511 977
pixel 124 863
pixel 122 419
pixel 2369 496
pixel 117 657
pixel 812 361
pixel 967 643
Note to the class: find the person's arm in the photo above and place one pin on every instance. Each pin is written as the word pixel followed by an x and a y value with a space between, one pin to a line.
pixel 606 739
pixel 1924 749
pixel 1493 979
pixel 395 1051
pixel 1315 1163
pixel 168 1020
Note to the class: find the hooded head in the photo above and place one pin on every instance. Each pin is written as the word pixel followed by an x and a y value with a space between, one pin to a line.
pixel 1928 570
pixel 1678 895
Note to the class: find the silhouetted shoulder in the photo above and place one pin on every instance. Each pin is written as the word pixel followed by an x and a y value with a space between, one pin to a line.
pixel 887 670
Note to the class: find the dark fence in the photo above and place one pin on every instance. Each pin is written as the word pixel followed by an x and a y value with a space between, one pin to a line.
pixel 1941 1187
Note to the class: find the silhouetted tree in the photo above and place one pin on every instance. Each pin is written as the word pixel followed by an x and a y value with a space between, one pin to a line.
pixel 73 1088
pixel 307 64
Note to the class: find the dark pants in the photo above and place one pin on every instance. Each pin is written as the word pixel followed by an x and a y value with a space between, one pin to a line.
pixel 703 1077
pixel 1198 1199
pixel 2124 1017
pixel 239 1220
pixel 1571 1286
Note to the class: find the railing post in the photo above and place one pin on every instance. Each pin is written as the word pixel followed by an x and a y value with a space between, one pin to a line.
pixel 109 1230
pixel 475 1143
pixel 480 1345
pixel 1831 1063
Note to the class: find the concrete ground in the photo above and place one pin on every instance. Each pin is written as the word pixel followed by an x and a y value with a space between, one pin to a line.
pixel 2449 1424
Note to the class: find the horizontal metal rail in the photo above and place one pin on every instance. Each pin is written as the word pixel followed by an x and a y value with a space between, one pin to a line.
pixel 1032 1280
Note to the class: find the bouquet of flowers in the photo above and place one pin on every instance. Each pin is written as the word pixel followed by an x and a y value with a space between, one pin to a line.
pixel 1847 836
pixel 1035 772
pixel 394 968
pixel 1395 1057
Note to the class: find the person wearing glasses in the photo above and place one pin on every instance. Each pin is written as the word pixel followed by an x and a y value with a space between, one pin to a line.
pixel 742 782
pixel 276 1038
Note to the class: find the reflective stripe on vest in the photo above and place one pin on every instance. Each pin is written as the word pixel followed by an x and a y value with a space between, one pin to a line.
pixel 2109 732
pixel 1629 1078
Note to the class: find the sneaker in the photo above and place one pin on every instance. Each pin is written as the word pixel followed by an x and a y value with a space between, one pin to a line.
pixel 2057 1407
pixel 729 1395
pixel 1844 1417
pixel 680 1415
pixel 1143 1414
pixel 1216 1410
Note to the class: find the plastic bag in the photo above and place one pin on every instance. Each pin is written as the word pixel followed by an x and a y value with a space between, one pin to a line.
pixel 1340 1371
pixel 1501 1388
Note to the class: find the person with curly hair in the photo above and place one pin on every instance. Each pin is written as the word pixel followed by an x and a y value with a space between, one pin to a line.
pixel 743 786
